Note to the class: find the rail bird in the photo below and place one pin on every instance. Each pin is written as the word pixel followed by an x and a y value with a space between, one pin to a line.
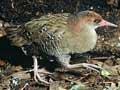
pixel 59 35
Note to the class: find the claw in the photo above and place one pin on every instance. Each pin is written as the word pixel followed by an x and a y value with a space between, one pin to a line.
pixel 92 67
pixel 38 78
pixel 39 73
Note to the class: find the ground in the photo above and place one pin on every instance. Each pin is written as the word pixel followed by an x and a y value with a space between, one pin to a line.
pixel 106 54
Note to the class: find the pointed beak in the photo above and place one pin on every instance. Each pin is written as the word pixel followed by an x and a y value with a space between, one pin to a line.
pixel 106 23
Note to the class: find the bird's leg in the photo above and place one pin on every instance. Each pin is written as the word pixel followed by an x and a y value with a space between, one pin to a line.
pixel 37 72
pixel 65 59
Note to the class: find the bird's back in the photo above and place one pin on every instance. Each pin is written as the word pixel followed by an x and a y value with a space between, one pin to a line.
pixel 45 34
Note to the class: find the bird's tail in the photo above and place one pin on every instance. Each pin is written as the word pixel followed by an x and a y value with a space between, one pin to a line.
pixel 6 28
pixel 14 33
pixel 2 28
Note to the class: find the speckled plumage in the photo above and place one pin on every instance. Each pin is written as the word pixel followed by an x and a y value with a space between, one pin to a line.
pixel 53 35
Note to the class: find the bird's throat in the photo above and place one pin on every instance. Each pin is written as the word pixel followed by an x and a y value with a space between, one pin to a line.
pixel 84 41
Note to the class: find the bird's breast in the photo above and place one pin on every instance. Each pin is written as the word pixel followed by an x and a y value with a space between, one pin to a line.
pixel 72 43
pixel 83 42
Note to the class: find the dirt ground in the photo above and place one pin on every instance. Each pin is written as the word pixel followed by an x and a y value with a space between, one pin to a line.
pixel 13 62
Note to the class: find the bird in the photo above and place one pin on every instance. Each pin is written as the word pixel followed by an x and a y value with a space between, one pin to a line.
pixel 58 35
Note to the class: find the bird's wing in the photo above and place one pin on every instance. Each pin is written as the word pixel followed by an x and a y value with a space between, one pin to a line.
pixel 47 32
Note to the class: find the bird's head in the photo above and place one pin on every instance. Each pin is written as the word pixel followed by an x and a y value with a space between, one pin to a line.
pixel 89 20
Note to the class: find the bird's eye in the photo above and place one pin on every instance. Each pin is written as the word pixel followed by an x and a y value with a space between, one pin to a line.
pixel 97 20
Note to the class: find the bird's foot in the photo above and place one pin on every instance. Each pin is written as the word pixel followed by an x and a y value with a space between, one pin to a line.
pixel 65 59
pixel 93 67
pixel 75 66
pixel 39 74
pixel 86 65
